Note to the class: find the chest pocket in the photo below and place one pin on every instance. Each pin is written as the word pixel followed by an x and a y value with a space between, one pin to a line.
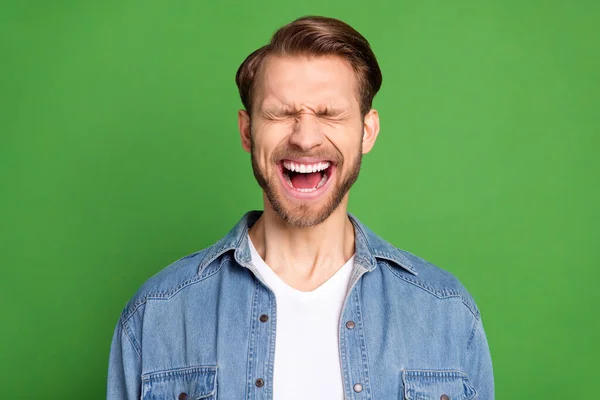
pixel 437 385
pixel 193 383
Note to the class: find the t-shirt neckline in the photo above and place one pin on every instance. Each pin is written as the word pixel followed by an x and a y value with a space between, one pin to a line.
pixel 324 290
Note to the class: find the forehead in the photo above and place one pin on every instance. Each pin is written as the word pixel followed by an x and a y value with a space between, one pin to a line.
pixel 306 81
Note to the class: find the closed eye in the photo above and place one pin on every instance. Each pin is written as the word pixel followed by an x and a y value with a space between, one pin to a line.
pixel 277 116
pixel 280 115
pixel 331 115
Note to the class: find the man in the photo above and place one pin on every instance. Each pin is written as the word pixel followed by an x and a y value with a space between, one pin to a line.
pixel 302 301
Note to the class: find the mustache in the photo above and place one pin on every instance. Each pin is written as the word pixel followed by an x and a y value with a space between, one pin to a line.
pixel 290 153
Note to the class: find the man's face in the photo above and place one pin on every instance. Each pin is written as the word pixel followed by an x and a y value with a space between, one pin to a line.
pixel 305 135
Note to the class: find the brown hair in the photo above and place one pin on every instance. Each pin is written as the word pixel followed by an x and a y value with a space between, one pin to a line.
pixel 317 36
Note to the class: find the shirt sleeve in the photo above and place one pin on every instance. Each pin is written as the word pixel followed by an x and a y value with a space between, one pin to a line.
pixel 479 363
pixel 124 366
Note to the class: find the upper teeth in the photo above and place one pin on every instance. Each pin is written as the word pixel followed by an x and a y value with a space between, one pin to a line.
pixel 305 168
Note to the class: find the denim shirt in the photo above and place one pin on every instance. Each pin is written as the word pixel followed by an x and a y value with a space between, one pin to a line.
pixel 204 328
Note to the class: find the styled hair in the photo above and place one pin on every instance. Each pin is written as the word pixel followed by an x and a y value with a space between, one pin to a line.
pixel 316 36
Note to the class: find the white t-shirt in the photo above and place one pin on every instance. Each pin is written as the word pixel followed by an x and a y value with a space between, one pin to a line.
pixel 307 359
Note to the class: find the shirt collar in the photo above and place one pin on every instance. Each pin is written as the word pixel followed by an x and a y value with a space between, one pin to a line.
pixel 368 246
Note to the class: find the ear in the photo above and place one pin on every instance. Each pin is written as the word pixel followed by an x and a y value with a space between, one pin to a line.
pixel 244 127
pixel 371 130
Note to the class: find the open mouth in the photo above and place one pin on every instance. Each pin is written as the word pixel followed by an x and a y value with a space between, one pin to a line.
pixel 306 178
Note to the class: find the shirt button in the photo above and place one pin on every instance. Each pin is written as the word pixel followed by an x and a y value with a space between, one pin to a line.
pixel 357 387
pixel 350 324
pixel 264 318
pixel 444 397
pixel 259 383
pixel 183 396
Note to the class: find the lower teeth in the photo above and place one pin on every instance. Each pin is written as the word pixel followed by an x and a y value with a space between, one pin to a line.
pixel 322 182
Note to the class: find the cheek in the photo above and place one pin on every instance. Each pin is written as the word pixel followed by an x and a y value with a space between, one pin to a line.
pixel 263 151
pixel 269 138
pixel 348 143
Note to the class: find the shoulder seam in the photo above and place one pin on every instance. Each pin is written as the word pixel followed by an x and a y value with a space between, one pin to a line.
pixel 472 335
pixel 133 342
pixel 167 294
pixel 136 305
pixel 440 295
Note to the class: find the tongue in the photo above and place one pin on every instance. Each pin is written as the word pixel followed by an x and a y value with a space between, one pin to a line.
pixel 306 181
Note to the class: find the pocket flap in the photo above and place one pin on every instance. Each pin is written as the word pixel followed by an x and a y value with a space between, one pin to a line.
pixel 433 385
pixel 190 383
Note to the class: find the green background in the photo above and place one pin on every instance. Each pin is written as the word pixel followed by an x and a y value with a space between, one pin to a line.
pixel 119 153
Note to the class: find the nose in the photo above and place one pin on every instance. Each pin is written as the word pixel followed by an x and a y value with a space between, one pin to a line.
pixel 307 132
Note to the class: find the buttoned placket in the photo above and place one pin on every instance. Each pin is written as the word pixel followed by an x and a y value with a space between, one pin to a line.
pixel 263 326
pixel 261 357
pixel 352 341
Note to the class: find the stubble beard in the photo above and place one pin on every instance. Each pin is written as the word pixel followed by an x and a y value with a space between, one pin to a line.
pixel 303 215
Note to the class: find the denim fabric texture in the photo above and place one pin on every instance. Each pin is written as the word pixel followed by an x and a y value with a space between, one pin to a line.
pixel 194 330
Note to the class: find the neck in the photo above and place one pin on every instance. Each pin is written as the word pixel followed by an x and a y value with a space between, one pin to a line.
pixel 304 256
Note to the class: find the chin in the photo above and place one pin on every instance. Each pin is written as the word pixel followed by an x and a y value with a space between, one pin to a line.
pixel 301 215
